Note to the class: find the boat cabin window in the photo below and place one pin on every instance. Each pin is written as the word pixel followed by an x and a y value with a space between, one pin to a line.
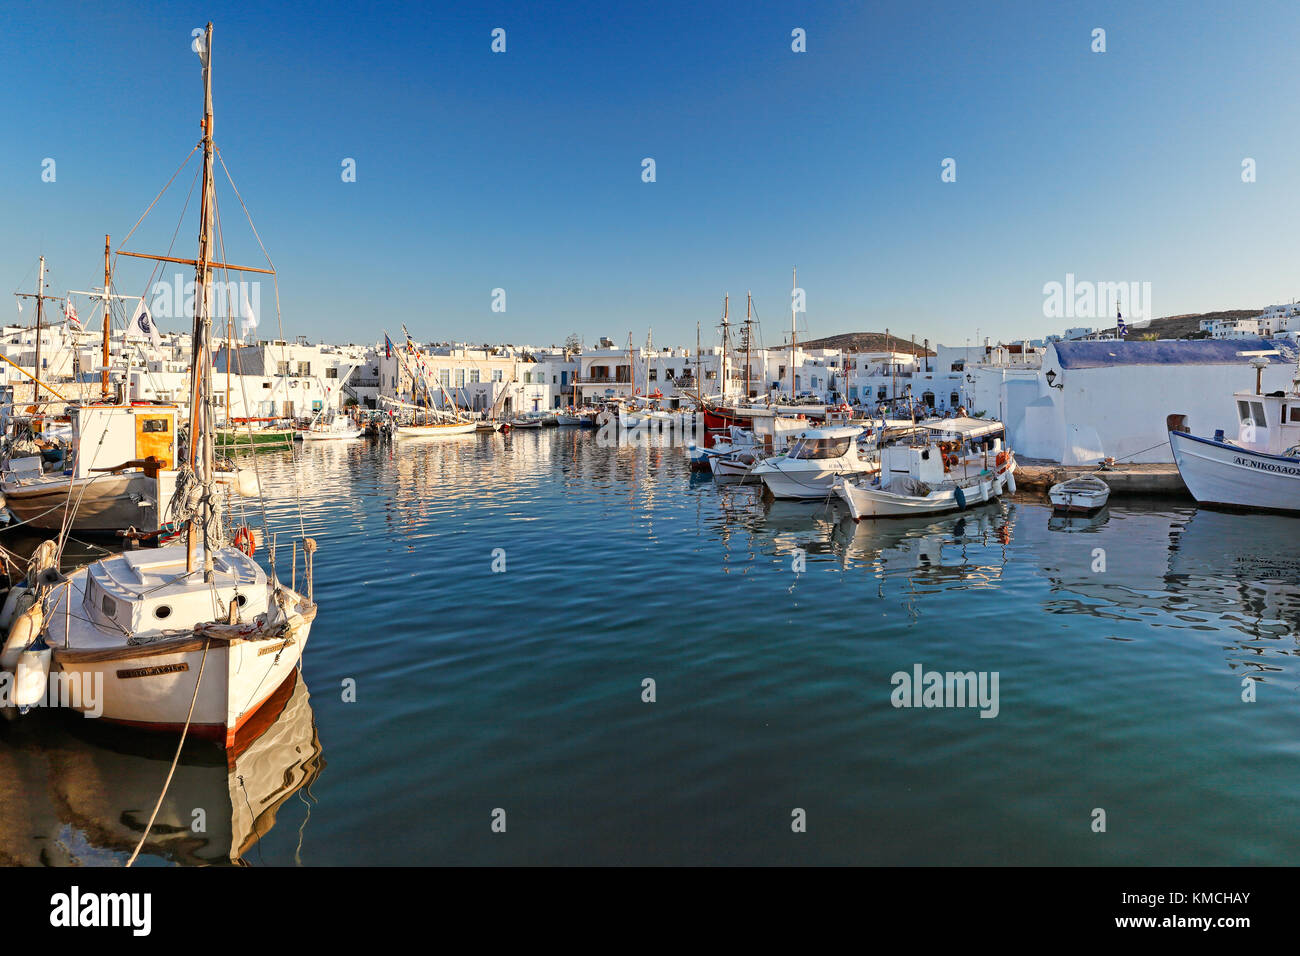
pixel 806 448
pixel 1295 413
pixel 1252 412
pixel 154 424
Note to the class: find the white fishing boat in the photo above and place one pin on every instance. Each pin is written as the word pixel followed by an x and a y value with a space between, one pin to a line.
pixel 1082 494
pixel 340 428
pixel 121 463
pixel 530 420
pixel 814 460
pixel 738 465
pixel 190 637
pixel 436 429
pixel 927 479
pixel 1258 468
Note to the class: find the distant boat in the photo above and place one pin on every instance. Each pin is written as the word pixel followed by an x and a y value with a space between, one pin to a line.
pixel 1080 495
pixel 340 429
pixel 436 429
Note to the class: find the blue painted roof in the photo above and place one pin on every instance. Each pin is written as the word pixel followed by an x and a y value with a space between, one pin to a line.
pixel 1171 352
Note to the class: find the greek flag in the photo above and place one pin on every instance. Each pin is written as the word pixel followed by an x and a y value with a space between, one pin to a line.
pixel 1120 328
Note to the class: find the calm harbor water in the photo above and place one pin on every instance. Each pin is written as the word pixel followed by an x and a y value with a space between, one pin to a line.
pixel 1120 686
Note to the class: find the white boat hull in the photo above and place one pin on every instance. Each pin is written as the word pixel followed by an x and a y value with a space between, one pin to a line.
pixel 436 431
pixel 875 503
pixel 345 435
pixel 151 685
pixel 1217 473
pixel 784 481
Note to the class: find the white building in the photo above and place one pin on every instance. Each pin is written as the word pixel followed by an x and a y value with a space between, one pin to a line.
pixel 1092 400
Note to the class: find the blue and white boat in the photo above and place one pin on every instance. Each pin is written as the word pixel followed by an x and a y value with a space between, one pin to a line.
pixel 1258 468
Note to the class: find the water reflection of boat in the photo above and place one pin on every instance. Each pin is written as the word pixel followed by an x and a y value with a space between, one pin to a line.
pixel 1078 522
pixel 1243 568
pixel 966 547
pixel 73 793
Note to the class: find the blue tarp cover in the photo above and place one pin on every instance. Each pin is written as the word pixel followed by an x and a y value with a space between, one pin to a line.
pixel 1172 352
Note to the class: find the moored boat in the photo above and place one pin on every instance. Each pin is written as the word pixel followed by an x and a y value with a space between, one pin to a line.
pixel 1259 468
pixel 1079 495
pixel 814 460
pixel 191 637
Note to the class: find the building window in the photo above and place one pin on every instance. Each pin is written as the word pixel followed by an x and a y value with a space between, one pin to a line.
pixel 654 374
pixel 460 378
pixel 331 373
pixel 304 369
pixel 281 368
pixel 444 377
pixel 496 375
pixel 473 376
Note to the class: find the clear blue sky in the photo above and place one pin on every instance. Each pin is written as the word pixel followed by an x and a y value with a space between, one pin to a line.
pixel 523 170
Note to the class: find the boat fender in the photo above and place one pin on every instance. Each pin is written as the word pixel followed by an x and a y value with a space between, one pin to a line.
pixel 961 498
pixel 246 483
pixel 11 607
pixel 1011 483
pixel 32 674
pixel 26 628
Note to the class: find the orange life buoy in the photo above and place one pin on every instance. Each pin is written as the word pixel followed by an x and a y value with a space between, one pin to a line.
pixel 244 541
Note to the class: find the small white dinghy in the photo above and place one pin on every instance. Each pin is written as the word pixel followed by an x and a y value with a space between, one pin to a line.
pixel 1081 495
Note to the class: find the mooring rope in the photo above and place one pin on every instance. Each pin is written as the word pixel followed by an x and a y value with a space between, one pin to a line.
pixel 175 760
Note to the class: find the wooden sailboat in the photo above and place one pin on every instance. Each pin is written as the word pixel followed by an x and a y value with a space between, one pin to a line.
pixel 191 637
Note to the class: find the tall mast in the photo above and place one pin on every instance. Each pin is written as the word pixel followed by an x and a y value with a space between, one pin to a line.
pixel 103 375
pixel 726 342
pixel 200 362
pixel 699 396
pixel 40 311
pixel 794 285
pixel 749 322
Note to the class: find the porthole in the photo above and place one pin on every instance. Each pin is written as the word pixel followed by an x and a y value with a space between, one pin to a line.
pixel 162 611
pixel 241 600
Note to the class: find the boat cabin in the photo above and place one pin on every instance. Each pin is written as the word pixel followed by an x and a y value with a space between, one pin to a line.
pixel 1268 423
pixel 105 435
pixel 922 462
pixel 818 443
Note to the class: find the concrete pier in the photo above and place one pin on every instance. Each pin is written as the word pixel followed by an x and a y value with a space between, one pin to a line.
pixel 1157 479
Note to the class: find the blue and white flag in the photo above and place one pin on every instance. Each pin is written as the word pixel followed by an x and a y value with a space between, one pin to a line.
pixel 1120 328
pixel 142 324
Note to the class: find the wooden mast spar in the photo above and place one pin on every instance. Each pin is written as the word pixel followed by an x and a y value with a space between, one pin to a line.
pixel 201 376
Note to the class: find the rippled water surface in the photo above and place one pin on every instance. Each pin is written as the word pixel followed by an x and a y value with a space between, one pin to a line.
pixel 1123 644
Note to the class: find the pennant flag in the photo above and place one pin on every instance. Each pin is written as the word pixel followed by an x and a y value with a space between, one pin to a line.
pixel 388 347
pixel 247 319
pixel 70 313
pixel 142 324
